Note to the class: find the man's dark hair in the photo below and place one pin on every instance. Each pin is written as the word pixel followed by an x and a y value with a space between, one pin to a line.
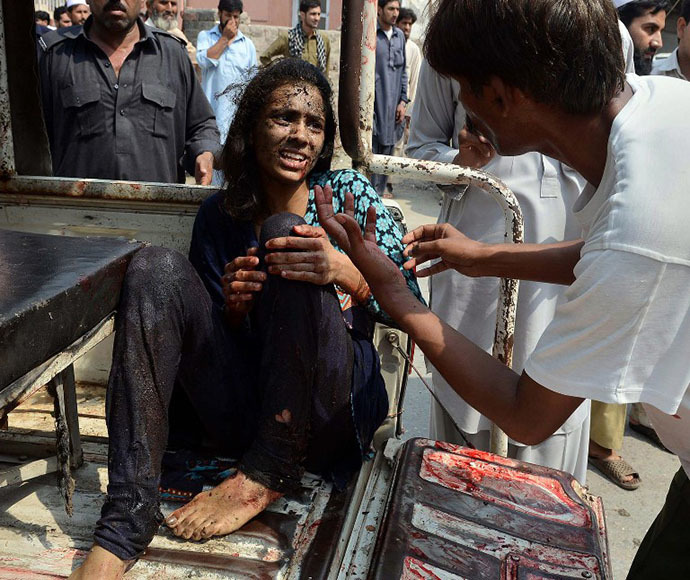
pixel 307 5
pixel 628 12
pixel 407 14
pixel 42 15
pixel 685 11
pixel 383 3
pixel 565 53
pixel 59 11
pixel 231 5
pixel 244 197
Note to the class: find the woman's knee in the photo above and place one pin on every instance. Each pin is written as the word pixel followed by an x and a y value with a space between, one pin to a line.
pixel 153 265
pixel 279 225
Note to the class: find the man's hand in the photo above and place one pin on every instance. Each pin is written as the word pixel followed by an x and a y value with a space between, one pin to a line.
pixel 475 150
pixel 241 282
pixel 443 242
pixel 382 275
pixel 230 29
pixel 203 169
pixel 400 112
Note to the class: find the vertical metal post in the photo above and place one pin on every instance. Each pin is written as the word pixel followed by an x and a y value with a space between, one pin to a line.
pixel 367 84
pixel 7 166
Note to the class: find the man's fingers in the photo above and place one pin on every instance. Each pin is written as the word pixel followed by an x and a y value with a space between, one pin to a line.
pixel 370 227
pixel 431 270
pixel 351 227
pixel 425 232
pixel 349 204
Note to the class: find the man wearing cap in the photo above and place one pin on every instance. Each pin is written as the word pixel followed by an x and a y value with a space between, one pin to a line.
pixel 645 20
pixel 227 59
pixel 677 64
pixel 121 101
pixel 304 40
pixel 78 11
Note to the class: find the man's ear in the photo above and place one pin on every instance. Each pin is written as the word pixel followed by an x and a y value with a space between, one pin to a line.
pixel 504 96
pixel 681 25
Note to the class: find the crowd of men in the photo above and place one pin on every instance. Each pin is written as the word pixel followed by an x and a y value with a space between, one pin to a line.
pixel 113 76
pixel 118 83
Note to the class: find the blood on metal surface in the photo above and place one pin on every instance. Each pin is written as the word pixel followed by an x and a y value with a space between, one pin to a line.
pixel 468 513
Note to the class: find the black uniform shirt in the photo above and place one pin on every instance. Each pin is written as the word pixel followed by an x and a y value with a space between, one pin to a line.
pixel 140 126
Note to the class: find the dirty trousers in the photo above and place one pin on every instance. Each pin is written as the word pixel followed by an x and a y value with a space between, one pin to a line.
pixel 279 401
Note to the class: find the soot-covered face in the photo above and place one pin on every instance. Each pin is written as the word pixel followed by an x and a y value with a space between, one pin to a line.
pixel 289 135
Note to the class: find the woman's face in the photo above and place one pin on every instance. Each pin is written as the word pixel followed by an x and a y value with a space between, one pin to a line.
pixel 289 134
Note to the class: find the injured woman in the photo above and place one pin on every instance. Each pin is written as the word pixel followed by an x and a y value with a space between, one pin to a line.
pixel 257 348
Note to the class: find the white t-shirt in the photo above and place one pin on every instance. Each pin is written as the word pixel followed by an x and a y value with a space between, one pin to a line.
pixel 622 335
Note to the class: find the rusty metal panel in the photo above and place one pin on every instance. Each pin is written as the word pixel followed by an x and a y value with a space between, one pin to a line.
pixel 461 513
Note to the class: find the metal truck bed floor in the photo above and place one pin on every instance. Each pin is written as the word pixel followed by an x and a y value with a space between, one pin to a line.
pixel 294 538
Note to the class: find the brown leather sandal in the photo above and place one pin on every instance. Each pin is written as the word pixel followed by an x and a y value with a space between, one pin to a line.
pixel 616 470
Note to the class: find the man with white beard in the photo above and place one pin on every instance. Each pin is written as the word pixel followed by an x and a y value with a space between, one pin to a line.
pixel 163 15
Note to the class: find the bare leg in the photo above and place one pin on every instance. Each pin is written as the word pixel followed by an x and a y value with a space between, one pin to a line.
pixel 221 510
pixel 100 564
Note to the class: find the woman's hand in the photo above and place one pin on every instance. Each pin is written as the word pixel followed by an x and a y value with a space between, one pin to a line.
pixel 443 242
pixel 308 258
pixel 241 283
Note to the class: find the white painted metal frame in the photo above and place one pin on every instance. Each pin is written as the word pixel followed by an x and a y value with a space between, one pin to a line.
pixel 441 173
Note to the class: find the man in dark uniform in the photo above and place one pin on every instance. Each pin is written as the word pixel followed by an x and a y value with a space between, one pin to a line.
pixel 121 101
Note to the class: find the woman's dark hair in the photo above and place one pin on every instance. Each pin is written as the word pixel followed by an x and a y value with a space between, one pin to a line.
pixel 244 197
pixel 565 53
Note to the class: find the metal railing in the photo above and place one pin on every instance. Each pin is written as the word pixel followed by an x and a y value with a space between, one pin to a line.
pixel 356 112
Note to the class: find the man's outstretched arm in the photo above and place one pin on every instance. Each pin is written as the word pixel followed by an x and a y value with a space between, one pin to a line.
pixel 551 263
pixel 525 410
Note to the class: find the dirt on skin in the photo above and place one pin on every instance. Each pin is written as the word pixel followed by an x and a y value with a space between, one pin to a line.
pixel 221 510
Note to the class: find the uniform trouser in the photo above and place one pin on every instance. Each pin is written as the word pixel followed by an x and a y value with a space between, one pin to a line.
pixel 280 402
pixel 379 181
pixel 608 424
pixel 664 550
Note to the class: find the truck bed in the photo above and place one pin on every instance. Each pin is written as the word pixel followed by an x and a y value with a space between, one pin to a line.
pixel 294 538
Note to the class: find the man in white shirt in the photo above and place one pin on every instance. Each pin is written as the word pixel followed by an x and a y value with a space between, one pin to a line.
pixel 622 333
pixel 545 189
pixel 677 64
pixel 645 20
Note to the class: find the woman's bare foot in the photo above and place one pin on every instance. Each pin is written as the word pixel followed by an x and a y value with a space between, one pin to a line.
pixel 221 510
pixel 100 564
